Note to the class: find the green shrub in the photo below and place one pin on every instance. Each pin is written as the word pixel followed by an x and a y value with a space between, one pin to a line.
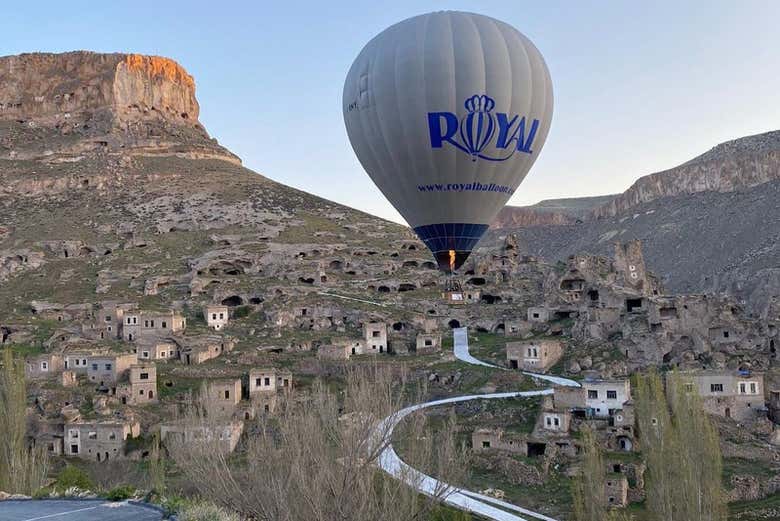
pixel 121 493
pixel 72 477
pixel 241 312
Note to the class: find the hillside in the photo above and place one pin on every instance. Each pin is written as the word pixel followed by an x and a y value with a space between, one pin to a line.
pixel 711 224
pixel 550 211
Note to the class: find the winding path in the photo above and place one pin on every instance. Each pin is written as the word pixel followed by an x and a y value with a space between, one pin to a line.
pixel 460 498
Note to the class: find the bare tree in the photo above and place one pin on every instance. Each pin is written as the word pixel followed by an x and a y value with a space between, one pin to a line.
pixel 317 461
pixel 22 469
pixel 682 451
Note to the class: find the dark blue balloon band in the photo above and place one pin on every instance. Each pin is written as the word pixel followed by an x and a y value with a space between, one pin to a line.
pixel 451 236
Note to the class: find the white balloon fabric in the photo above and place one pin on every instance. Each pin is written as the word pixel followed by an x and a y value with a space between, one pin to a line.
pixel 447 112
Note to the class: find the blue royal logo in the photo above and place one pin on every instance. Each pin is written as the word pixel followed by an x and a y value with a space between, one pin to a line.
pixel 482 133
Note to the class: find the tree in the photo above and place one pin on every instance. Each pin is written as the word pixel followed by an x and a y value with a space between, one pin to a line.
pixel 317 462
pixel 22 469
pixel 588 491
pixel 682 451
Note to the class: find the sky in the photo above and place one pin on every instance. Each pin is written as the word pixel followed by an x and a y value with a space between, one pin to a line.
pixel 639 86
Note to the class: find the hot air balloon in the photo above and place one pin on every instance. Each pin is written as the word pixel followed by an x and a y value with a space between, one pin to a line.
pixel 447 112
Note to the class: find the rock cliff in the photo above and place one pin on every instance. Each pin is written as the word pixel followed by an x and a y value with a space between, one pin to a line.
pixel 734 165
pixel 61 106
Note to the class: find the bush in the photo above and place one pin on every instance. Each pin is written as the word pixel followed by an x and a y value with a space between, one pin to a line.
pixel 241 312
pixel 72 477
pixel 121 493
pixel 201 511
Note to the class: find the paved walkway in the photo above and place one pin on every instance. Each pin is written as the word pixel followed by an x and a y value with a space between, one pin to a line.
pixel 75 510
pixel 463 499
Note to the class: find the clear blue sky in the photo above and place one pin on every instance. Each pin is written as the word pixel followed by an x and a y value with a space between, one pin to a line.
pixel 639 86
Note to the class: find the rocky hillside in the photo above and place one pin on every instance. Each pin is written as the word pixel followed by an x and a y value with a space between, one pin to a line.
pixel 711 224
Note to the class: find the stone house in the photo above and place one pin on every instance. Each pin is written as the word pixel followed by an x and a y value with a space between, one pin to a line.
pixel 216 316
pixel 226 435
pixel 538 314
pixel 108 321
pixel 354 346
pixel 45 365
pixel 595 398
pixel 616 490
pixel 108 369
pixel 496 439
pixel 202 349
pixel 269 381
pixel 224 394
pixel 158 351
pixel 99 440
pixel 732 394
pixel 77 361
pixel 533 355
pixel 774 406
pixel 335 351
pixel 140 387
pixel 148 325
pixel 375 337
pixel 553 421
pixel 428 342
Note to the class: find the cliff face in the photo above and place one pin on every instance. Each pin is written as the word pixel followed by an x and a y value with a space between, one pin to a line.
pixel 524 216
pixel 54 88
pixel 730 166
pixel 63 108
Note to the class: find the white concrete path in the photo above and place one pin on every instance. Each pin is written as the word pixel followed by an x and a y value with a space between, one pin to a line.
pixel 454 496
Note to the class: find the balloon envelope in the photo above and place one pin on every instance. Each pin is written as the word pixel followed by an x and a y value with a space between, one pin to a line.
pixel 447 112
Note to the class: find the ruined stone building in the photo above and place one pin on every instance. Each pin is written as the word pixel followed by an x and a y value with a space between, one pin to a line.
pixel 196 350
pixel 731 394
pixel 336 351
pixel 427 342
pixel 616 490
pixel 43 366
pixel 158 351
pixel 216 316
pixel 99 440
pixel 139 387
pixel 224 436
pixel 147 325
pixel 223 395
pixel 497 439
pixel 375 337
pixel 534 355
pixel 269 381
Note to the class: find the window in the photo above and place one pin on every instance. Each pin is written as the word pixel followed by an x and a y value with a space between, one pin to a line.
pixel 375 334
pixel 267 381
pixel 549 421
pixel 611 395
pixel 44 366
pixel 108 318
pixel 716 388
pixel 221 316
pixel 146 323
pixel 141 392
pixel 152 323
pixel 258 382
pixel 74 434
pixel 74 449
pixel 593 395
pixel 112 436
pixel 92 435
pixel 742 388
pixel 164 324
pixel 108 367
pixel 725 334
pixel 213 316
pixel 557 422
pixel 145 354
pixel 227 395
pixel 485 444
pixel 144 376
pixel 753 388
pixel 94 367
pixel 286 382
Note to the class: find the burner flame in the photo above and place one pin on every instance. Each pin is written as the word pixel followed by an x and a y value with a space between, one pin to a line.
pixel 452 260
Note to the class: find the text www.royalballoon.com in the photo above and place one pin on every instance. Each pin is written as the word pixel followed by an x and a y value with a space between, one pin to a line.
pixel 466 187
